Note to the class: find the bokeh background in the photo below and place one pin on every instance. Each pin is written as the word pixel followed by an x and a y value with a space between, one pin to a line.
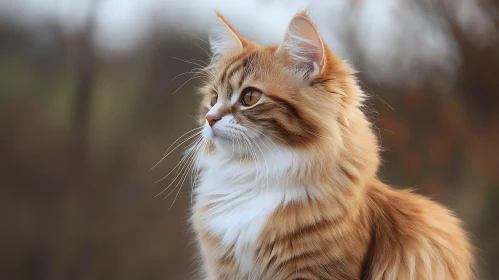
pixel 90 98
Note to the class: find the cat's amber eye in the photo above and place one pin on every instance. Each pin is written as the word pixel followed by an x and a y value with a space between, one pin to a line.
pixel 251 96
pixel 214 99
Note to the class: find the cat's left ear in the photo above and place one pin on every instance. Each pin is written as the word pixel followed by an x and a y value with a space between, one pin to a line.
pixel 224 38
pixel 304 45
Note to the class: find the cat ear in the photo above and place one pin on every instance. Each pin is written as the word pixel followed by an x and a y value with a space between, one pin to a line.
pixel 304 45
pixel 224 38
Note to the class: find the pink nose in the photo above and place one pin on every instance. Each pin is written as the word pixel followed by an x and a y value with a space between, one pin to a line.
pixel 212 119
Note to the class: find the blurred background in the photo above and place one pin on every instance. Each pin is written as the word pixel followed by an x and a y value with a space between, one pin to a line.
pixel 92 92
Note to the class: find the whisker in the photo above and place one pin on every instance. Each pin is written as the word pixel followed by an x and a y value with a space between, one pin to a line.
pixel 255 157
pixel 184 158
pixel 250 130
pixel 178 139
pixel 196 73
pixel 193 177
pixel 184 165
pixel 192 148
pixel 174 168
pixel 188 170
pixel 190 79
pixel 283 140
pixel 187 61
pixel 265 160
pixel 206 52
pixel 199 61
pixel 240 160
pixel 168 152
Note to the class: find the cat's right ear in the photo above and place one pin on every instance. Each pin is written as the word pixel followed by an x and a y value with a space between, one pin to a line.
pixel 304 45
pixel 225 39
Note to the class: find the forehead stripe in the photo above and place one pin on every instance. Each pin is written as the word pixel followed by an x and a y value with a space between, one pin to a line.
pixel 246 61
pixel 229 65
pixel 234 66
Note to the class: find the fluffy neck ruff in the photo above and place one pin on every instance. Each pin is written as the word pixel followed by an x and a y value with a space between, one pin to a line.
pixel 342 160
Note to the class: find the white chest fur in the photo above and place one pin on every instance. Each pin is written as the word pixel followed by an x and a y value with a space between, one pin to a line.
pixel 241 199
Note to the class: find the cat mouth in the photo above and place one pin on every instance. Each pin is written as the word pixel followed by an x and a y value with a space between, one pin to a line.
pixel 223 135
pixel 227 136
pixel 218 134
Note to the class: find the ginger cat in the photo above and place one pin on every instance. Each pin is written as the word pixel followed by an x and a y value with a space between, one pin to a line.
pixel 287 185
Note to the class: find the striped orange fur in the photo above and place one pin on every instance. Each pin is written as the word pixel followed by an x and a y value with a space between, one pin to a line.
pixel 287 187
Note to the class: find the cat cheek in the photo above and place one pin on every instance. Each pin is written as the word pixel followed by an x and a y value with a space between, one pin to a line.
pixel 239 119
pixel 248 123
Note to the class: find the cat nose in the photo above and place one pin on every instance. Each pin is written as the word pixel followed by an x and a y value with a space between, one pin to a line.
pixel 212 119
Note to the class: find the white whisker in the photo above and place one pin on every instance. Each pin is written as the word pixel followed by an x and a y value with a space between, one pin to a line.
pixel 197 73
pixel 184 165
pixel 190 62
pixel 266 165
pixel 177 167
pixel 206 52
pixel 190 79
pixel 167 153
pixel 185 176
pixel 263 142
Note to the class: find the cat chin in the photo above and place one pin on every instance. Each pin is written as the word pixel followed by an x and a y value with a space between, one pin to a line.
pixel 228 146
pixel 221 142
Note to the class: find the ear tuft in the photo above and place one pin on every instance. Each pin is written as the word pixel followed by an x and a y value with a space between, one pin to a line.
pixel 224 39
pixel 304 45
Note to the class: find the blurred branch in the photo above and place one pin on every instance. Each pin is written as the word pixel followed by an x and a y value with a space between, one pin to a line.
pixel 476 84
pixel 84 86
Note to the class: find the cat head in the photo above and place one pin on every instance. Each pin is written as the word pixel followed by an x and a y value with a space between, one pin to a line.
pixel 295 95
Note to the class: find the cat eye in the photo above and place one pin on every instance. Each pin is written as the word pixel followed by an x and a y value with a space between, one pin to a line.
pixel 251 96
pixel 214 99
